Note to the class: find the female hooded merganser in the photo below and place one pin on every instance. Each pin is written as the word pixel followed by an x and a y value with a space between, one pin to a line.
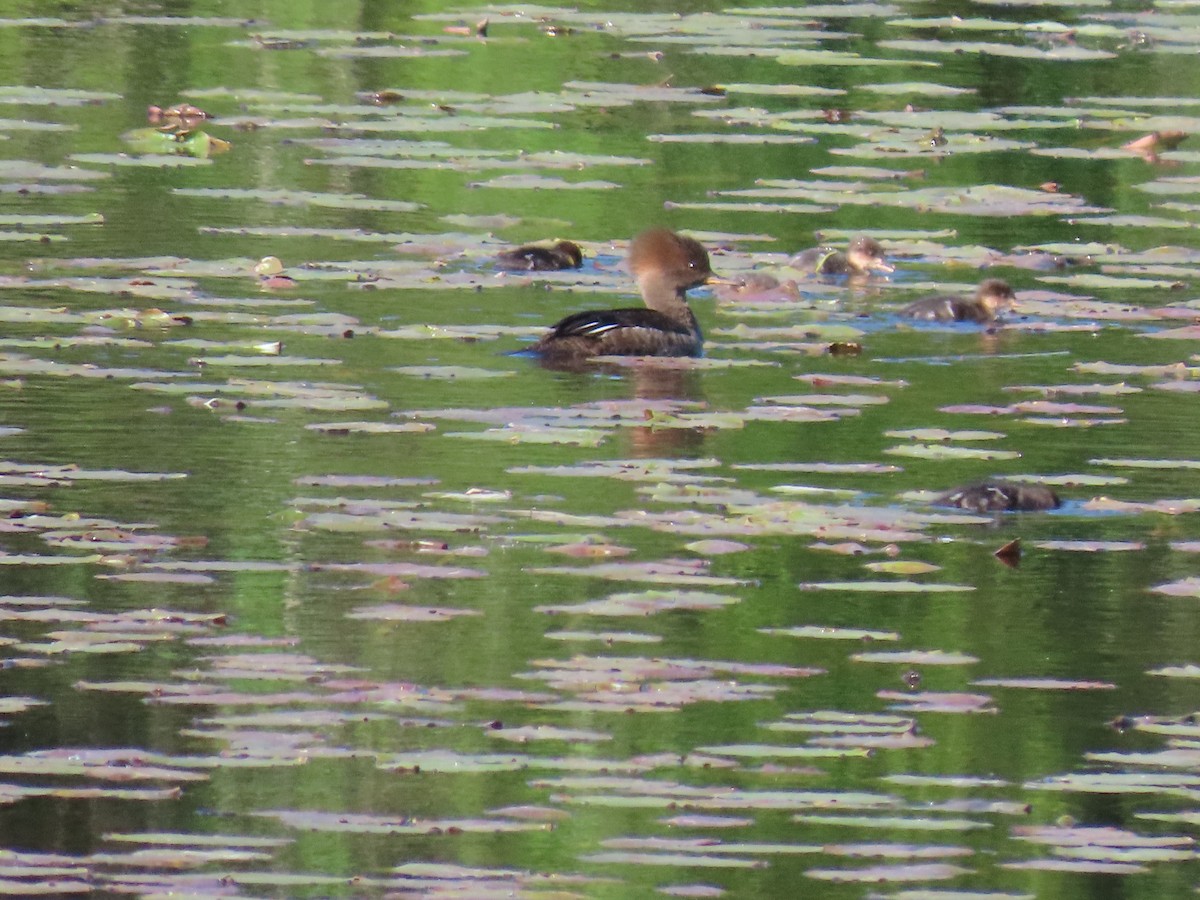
pixel 666 265
pixel 993 295
pixel 863 256
pixel 996 495
pixel 532 258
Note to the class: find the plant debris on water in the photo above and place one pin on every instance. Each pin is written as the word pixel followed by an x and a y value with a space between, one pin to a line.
pixel 306 552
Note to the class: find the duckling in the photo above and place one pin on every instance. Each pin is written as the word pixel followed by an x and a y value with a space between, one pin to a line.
pixel 535 258
pixel 995 495
pixel 991 296
pixel 863 256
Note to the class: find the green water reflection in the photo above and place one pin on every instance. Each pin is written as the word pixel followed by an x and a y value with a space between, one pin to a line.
pixel 264 658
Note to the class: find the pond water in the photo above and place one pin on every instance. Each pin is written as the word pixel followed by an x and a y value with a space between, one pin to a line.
pixel 313 587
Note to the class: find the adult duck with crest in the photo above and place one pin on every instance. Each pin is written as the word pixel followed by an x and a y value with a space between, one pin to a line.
pixel 666 266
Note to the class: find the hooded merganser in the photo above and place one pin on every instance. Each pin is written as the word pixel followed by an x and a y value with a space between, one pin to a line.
pixel 993 295
pixel 533 258
pixel 997 496
pixel 863 256
pixel 666 265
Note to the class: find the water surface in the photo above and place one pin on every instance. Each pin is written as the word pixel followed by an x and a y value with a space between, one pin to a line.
pixel 316 589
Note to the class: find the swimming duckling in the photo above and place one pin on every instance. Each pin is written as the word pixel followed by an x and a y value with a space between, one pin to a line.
pixel 863 256
pixel 995 495
pixel 535 258
pixel 991 296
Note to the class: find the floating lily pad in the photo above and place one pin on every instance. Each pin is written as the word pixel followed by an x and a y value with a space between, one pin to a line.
pixel 1148 463
pixel 391 612
pixel 883 874
pixel 1059 52
pixel 452 373
pixel 902 567
pixel 1091 546
pixel 893 823
pixel 43 96
pixel 944 451
pixel 887 587
pixel 941 434
pixel 1070 865
pixel 930 701
pixel 300 198
pixel 644 604
pixel 1185 587
pixel 368 824
pixel 1046 684
pixel 681 572
pixel 580 437
pixel 343 428
pixel 917 657
pixel 830 633
pixel 605 637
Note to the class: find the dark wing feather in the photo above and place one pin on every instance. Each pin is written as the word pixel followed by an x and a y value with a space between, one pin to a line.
pixel 597 322
pixel 621 332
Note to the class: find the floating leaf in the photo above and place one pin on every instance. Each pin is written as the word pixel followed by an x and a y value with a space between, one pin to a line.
pixel 941 434
pixel 893 823
pixel 682 572
pixel 299 198
pixel 830 633
pixel 605 637
pixel 902 567
pixel 917 657
pixel 1091 546
pixel 645 603
pixel 877 874
pixel 929 701
pixel 391 612
pixel 1046 684
pixel 359 823
pixel 341 428
pixel 943 451
pixel 887 587
pixel 452 373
